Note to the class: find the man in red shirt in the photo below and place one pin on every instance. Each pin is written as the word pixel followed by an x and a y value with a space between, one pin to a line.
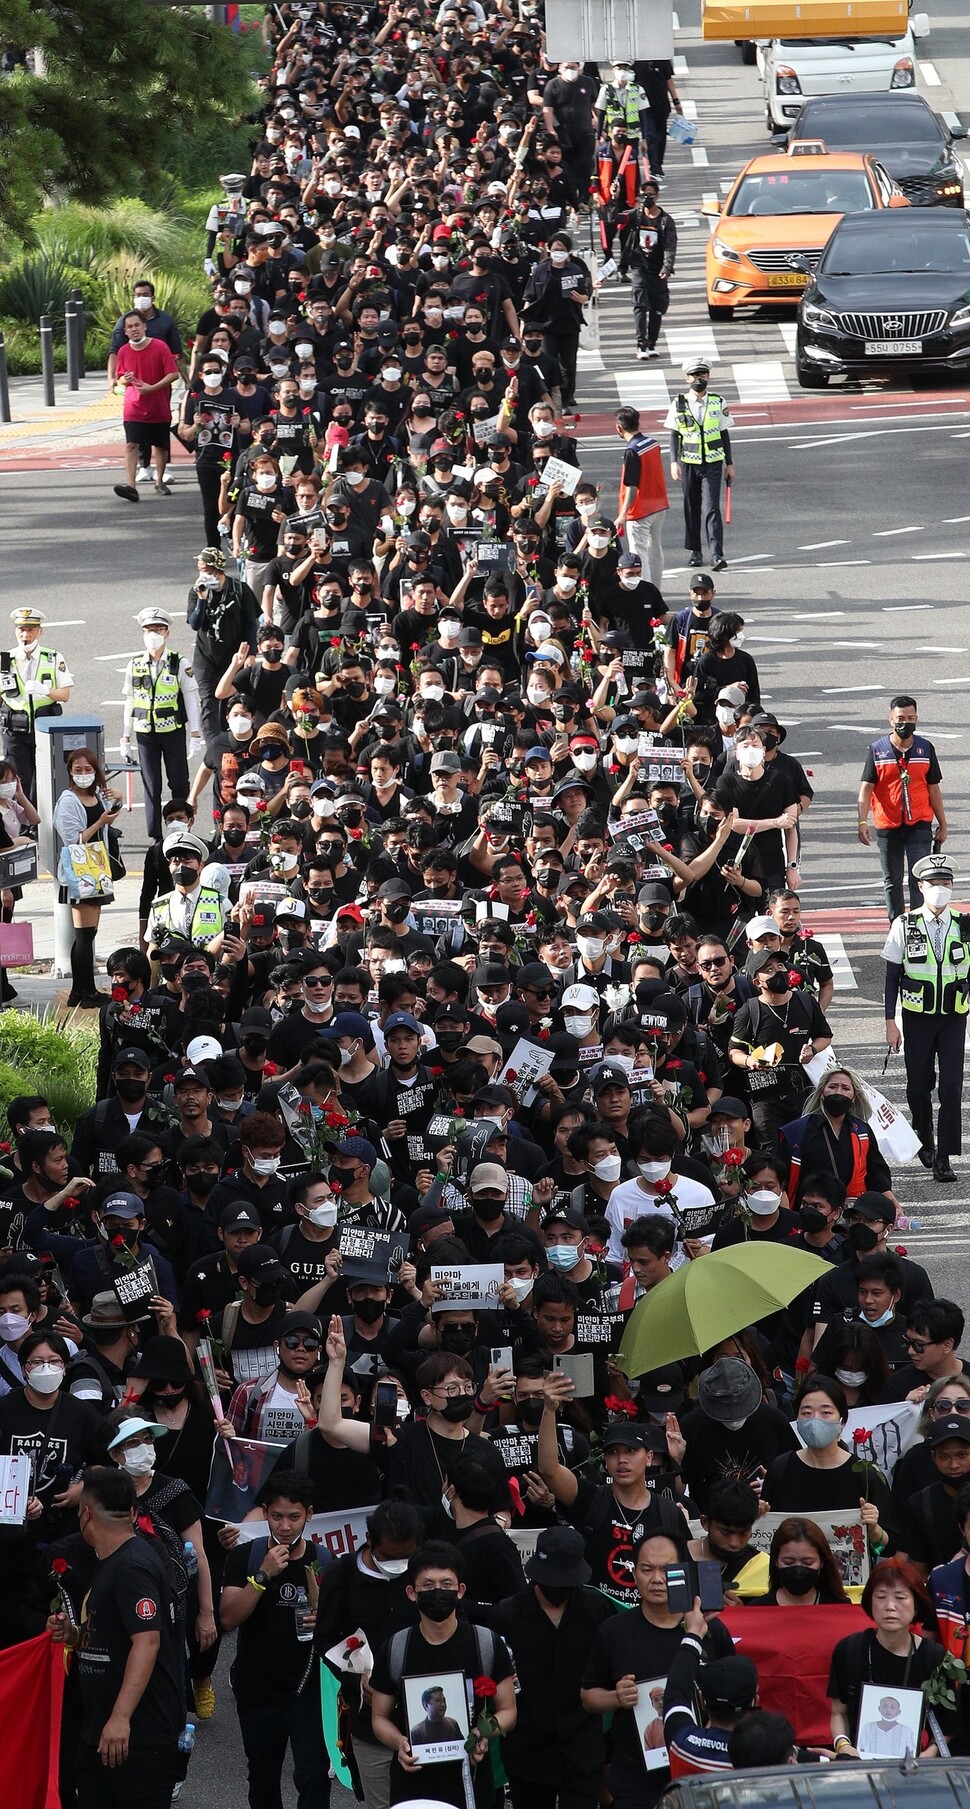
pixel 147 370
pixel 643 493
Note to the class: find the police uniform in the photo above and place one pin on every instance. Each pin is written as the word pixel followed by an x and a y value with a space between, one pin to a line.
pixel 161 699
pixel 700 444
pixel 34 672
pixel 198 914
pixel 927 955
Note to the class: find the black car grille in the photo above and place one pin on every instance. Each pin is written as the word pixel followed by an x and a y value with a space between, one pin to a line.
pixel 893 326
pixel 778 260
pixel 921 190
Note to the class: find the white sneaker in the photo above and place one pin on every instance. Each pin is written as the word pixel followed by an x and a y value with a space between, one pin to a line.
pixel 642 354
pixel 144 475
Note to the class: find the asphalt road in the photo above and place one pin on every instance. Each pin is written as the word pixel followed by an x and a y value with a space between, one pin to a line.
pixel 847 555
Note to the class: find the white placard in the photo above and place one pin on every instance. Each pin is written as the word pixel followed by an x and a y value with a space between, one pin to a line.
pixel 14 1489
pixel 526 1064
pixel 474 1285
pixel 566 476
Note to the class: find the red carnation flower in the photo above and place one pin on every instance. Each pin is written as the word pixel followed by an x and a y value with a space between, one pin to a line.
pixel 60 1567
pixel 733 1158
pixel 169 1080
pixel 900 1249
pixel 336 1188
pixel 672 1065
pixel 203 1315
pixel 794 977
pixel 269 1069
pixel 305 1107
pixel 613 1404
pixel 353 1644
pixel 436 1073
pixel 485 1687
pixel 119 994
pixel 117 1242
pixel 71 1203
pixel 860 1436
pixel 665 1185
pixel 802 1366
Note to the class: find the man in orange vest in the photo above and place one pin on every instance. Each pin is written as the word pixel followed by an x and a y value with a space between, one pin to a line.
pixel 643 493
pixel 901 782
pixel 617 186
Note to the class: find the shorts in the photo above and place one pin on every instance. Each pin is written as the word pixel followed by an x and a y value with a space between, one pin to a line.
pixel 149 433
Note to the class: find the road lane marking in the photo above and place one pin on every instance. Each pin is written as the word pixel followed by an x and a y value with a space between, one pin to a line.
pixel 842 974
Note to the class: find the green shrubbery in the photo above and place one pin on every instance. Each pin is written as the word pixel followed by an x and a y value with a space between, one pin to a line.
pixel 39 1055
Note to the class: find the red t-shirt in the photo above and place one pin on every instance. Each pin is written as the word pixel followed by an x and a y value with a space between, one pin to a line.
pixel 151 362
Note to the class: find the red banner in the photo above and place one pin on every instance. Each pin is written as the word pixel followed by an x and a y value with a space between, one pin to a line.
pixel 31 1692
pixel 792 1649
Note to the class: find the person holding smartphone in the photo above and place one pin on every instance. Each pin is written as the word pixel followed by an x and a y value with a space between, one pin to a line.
pixel 83 813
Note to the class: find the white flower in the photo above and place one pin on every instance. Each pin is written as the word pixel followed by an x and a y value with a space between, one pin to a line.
pixel 617 997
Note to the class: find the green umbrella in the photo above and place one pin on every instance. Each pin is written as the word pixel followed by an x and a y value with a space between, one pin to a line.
pixel 712 1298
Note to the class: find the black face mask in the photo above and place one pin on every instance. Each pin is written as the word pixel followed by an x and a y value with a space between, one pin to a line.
pixel 438 1604
pixel 130 1090
pixel 171 1396
pixel 904 730
pixel 777 983
pixel 836 1105
pixel 344 1177
pixel 489 1210
pixel 654 919
pixel 234 838
pixel 155 1174
pixel 396 913
pixel 202 1183
pixel 369 1311
pixel 810 1219
pixel 458 1339
pixel 300 810
pixel 557 1598
pixel 461 1408
pixel 185 876
pixel 720 1552
pixel 169 969
pixel 129 1234
pixel 450 1040
pixel 862 1239
pixel 271 655
pixel 798 1579
pixel 267 1293
pixel 529 1413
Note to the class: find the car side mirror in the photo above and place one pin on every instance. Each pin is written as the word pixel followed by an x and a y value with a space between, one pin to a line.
pixel 712 209
pixel 780 138
pixel 919 25
pixel 959 132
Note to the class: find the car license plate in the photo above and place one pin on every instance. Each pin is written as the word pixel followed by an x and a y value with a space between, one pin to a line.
pixel 788 279
pixel 892 348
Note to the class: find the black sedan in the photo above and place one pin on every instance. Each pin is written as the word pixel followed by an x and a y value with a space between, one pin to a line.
pixel 891 292
pixel 900 130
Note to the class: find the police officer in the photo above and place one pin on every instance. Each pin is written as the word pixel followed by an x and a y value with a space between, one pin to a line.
pixel 901 784
pixel 927 956
pixel 190 909
pixel 38 683
pixel 700 456
pixel 161 697
pixel 622 102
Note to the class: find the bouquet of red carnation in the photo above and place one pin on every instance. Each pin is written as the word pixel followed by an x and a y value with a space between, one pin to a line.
pixel 485 1727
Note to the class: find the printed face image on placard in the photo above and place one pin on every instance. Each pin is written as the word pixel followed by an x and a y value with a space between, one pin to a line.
pixel 889 1721
pixel 437 1717
pixel 649 1717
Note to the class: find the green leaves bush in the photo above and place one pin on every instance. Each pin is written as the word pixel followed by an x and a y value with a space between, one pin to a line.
pixel 39 1055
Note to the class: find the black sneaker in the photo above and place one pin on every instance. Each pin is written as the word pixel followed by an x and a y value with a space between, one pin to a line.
pixel 719 565
pixel 696 559
pixel 127 492
pixel 942 1170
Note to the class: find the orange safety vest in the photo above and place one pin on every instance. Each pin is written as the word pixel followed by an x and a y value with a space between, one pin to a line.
pixel 607 173
pixel 795 1138
pixel 901 792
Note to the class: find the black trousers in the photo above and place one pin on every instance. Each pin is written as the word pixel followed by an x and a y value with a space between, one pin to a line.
pixel 210 483
pixel 933 1048
pixel 207 677
pixel 702 491
pixel 20 750
pixel 651 299
pixel 145 1780
pixel 577 1790
pixel 153 751
pixel 565 347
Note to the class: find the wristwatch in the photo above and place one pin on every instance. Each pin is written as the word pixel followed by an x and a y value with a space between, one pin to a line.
pixel 259 1579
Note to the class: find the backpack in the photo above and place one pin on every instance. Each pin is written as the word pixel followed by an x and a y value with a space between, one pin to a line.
pixel 168 1544
pixel 397 1657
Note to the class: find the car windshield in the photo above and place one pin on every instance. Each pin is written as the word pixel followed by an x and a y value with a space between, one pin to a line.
pixel 848 129
pixel 804 191
pixel 912 253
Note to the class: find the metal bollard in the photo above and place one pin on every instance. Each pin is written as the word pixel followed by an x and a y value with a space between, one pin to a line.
pixel 4 385
pixel 78 300
pixel 70 340
pixel 47 360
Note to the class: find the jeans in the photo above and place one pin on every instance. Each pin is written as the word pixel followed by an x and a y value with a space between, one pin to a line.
pixel 899 850
pixel 267 1728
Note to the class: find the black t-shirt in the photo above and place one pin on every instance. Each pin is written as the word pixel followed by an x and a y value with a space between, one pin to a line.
pixel 271 1663
pixel 630 1645
pixel 860 1659
pixel 130 1594
pixel 795 1487
pixel 258 509
pixel 340 1479
pixel 305 1261
pixel 252 1353
pixel 420 1462
pixel 65 1438
pixel 792 1024
pixel 292 1035
pixel 608 1530
pixel 716 1454
pixel 930 1533
pixel 460 1653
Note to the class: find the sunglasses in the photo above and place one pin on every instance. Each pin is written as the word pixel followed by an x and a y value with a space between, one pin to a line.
pixel 315 980
pixel 541 992
pixel 300 1341
pixel 944 1407
pixel 918 1344
pixel 716 961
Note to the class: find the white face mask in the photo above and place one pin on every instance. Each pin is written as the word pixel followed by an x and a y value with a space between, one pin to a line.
pixel 324 1217
pixel 537 694
pixel 544 430
pixel 580 1023
pixel 448 632
pixel 392 1567
pixel 243 288
pixel 763 1202
pixel 46 1378
pixel 9 790
pixel 750 759
pixel 304 349
pixel 144 304
pixel 240 726
pixel 277 330
pixel 278 369
pixel 457 514
pixel 212 379
pixel 567 585
pixel 584 763
pixel 332 186
pixel 725 715
pixel 626 744
pixel 317 1007
pixel 937 896
pixel 393 373
pixel 228 1105
pixel 433 693
pixel 850 1378
pixel 591 947
pixel 629 580
pixel 440 263
pixel 654 1171
pixel 559 257
pixel 732 1425
pixel 354 478
pixel 266 480
pixel 405 505
pixel 265 1165
pixel 84 779
pixel 154 641
pixel 447 1506
pixel 139 1460
pixel 521 1286
pixel 586 509
pixel 383 686
pixel 307 386
pixel 738 640
pixel 608 1169
pixel 569 75
pixel 598 541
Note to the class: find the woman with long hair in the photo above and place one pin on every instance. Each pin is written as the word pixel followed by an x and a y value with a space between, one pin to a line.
pixel 83 813
pixel 802 1572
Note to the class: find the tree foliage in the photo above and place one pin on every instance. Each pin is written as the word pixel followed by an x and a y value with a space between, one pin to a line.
pixel 123 85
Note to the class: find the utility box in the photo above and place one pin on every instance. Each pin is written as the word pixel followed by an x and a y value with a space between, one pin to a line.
pixel 740 20
pixel 58 736
pixel 599 31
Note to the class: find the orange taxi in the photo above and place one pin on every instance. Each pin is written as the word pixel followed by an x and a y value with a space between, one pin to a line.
pixel 783 205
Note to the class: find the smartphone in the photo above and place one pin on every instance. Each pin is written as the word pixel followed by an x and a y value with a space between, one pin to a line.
pixel 500 1356
pixel 297 766
pixel 385 1406
pixel 685 1582
pixel 579 1369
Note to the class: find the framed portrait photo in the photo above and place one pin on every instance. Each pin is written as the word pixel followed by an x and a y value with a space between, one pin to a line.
pixel 649 1717
pixel 437 1717
pixel 890 1721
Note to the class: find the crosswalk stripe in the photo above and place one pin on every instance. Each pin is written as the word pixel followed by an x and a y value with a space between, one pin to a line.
pixel 698 156
pixel 690 342
pixel 642 387
pixel 789 333
pixel 689 109
pixel 842 975
pixel 762 380
pixel 590 361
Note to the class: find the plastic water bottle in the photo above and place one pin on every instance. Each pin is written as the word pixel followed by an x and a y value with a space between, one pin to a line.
pixel 304 1629
pixel 187 1738
pixel 190 1558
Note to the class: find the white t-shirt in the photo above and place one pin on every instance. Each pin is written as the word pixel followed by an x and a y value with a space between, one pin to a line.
pixel 632 1201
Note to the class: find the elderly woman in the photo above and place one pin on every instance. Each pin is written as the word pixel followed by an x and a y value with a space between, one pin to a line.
pixel 889 1654
pixel 833 1137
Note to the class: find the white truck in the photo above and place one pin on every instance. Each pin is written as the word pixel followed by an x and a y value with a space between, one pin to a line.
pixel 795 69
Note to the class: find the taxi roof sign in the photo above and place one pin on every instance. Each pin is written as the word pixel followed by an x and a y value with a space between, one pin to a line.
pixel 808 147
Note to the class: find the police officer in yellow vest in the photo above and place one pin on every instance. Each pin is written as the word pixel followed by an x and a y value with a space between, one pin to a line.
pixel 622 102
pixel 700 456
pixel 927 956
pixel 35 682
pixel 191 909
pixel 161 700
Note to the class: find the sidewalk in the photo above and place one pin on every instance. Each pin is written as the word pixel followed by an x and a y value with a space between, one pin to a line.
pixel 38 988
pixel 83 428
